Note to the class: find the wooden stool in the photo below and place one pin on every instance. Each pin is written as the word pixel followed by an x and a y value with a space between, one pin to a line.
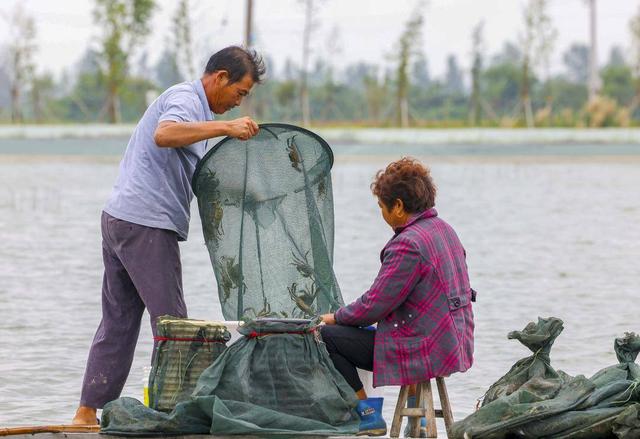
pixel 424 407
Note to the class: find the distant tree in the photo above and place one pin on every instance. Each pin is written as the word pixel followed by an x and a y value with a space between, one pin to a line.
pixel 568 94
pixel 318 72
pixel 634 27
pixel 376 91
pixel 134 97
pixel 310 25
pixel 85 101
pixel 617 83
pixel 510 54
pixel 290 71
pixel 536 43
pixel 594 79
pixel 183 40
pixel 366 80
pixel 264 105
pixel 357 73
pixel 576 61
pixel 408 45
pixel 616 57
pixel 500 86
pixel 329 87
pixel 420 75
pixel 124 24
pixel 80 86
pixel 89 62
pixel 166 70
pixel 5 96
pixel 286 94
pixel 477 55
pixel 42 96
pixel 454 80
pixel 141 68
pixel 20 47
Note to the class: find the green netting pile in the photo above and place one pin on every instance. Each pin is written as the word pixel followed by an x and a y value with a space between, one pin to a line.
pixel 533 400
pixel 184 349
pixel 538 338
pixel 266 206
pixel 276 380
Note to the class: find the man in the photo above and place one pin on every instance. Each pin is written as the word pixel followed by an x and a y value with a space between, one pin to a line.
pixel 148 213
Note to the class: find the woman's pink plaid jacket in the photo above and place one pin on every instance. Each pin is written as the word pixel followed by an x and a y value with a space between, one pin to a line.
pixel 421 300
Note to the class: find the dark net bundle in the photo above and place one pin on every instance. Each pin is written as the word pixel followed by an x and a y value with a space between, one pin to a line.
pixel 266 206
pixel 538 338
pixel 608 410
pixel 279 378
pixel 184 348
pixel 276 380
pixel 535 401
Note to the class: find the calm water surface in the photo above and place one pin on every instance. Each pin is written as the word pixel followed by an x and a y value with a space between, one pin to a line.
pixel 544 237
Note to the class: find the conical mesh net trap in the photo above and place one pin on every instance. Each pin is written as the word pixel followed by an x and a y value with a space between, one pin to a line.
pixel 266 206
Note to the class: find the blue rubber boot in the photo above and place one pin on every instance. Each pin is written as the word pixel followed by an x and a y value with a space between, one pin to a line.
pixel 371 420
pixel 411 403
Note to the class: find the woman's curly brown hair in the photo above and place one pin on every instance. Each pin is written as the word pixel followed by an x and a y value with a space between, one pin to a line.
pixel 407 180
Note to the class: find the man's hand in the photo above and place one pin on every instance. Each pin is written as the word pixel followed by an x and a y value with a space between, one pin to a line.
pixel 170 134
pixel 243 128
pixel 328 319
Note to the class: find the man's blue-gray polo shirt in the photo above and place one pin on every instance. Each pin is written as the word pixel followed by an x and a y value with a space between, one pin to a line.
pixel 153 187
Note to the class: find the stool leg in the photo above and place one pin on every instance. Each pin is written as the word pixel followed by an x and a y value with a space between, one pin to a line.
pixel 413 422
pixel 397 415
pixel 432 428
pixel 446 405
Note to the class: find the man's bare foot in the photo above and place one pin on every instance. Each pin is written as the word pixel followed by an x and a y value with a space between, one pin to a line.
pixel 85 416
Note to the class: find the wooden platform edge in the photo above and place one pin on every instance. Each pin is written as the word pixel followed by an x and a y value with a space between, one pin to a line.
pixel 96 435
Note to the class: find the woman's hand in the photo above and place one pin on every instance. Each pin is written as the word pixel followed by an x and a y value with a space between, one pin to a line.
pixel 328 319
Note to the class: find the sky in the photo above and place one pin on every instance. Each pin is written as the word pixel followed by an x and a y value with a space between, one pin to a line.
pixel 347 30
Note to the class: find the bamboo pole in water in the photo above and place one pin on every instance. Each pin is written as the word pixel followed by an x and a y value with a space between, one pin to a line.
pixel 50 429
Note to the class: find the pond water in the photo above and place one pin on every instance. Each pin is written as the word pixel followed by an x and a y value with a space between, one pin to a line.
pixel 546 234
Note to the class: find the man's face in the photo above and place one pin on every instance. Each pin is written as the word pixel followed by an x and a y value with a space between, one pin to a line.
pixel 224 96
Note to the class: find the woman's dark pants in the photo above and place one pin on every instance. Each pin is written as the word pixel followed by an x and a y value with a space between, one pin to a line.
pixel 350 348
pixel 141 269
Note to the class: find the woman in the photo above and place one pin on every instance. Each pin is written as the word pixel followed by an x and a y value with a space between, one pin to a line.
pixel 421 298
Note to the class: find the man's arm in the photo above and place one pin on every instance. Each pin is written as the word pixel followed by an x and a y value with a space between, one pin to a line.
pixel 172 134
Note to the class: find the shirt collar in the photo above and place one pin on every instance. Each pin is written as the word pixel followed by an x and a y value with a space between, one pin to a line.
pixel 203 98
pixel 417 216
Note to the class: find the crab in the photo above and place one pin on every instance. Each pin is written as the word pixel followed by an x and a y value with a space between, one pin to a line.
pixel 322 190
pixel 264 312
pixel 302 265
pixel 209 182
pixel 218 214
pixel 294 154
pixel 303 298
pixel 231 276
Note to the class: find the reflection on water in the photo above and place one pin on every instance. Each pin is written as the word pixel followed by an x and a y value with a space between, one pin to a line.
pixel 550 238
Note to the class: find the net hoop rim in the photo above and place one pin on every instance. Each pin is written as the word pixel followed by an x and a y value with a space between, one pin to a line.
pixel 266 126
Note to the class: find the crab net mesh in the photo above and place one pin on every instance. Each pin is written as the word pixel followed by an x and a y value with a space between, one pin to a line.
pixel 266 206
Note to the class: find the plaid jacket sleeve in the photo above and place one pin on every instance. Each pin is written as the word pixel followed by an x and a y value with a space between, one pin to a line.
pixel 400 271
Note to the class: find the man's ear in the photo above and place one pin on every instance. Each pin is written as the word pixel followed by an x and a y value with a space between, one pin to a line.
pixel 221 77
